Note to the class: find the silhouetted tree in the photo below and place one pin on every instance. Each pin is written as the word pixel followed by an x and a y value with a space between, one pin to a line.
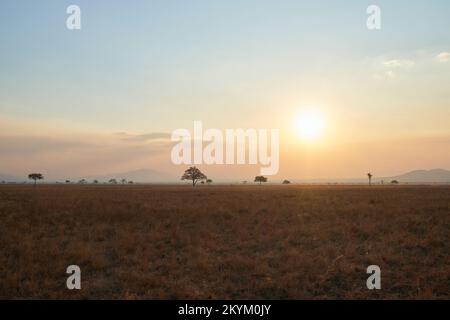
pixel 130 182
pixel 370 178
pixel 67 181
pixel 123 181
pixel 95 182
pixel 193 174
pixel 394 182
pixel 82 181
pixel 35 177
pixel 260 179
pixel 286 182
pixel 209 181
pixel 112 181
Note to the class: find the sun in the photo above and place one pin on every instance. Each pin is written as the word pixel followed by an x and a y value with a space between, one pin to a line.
pixel 310 124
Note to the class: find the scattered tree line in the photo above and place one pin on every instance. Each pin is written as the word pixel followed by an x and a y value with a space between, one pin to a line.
pixel 192 174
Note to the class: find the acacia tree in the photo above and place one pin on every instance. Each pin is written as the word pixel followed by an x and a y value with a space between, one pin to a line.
pixel 370 178
pixel 35 177
pixel 260 179
pixel 193 174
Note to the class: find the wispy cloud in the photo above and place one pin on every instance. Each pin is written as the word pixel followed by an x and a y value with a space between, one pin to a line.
pixel 390 74
pixel 144 137
pixel 443 57
pixel 399 63
pixel 390 67
pixel 67 155
pixel 397 67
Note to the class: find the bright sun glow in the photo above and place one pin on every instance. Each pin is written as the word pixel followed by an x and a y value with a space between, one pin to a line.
pixel 310 125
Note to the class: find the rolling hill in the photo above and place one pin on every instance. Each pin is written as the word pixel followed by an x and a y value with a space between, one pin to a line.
pixel 142 175
pixel 425 176
pixel 9 178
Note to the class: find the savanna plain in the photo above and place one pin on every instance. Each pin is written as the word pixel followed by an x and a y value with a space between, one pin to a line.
pixel 224 242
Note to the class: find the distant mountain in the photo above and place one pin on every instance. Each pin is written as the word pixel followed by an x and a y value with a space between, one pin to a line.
pixel 8 178
pixel 142 175
pixel 426 176
pixel 418 176
pixel 152 176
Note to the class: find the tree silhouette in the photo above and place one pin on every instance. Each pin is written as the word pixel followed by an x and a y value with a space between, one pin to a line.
pixel 123 181
pixel 35 177
pixel 370 178
pixel 209 181
pixel 394 182
pixel 260 179
pixel 113 181
pixel 286 182
pixel 95 182
pixel 193 174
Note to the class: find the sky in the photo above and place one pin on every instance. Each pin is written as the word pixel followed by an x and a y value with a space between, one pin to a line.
pixel 106 98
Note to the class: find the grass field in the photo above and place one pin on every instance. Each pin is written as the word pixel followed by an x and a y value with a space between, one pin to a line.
pixel 227 242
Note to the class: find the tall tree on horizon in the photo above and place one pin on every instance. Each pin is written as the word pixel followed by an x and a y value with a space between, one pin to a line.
pixel 260 179
pixel 35 177
pixel 370 178
pixel 194 174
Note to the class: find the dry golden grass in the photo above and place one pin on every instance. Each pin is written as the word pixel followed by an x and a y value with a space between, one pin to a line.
pixel 241 242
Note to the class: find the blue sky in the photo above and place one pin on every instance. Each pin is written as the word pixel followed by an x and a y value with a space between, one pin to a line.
pixel 156 58
pixel 153 66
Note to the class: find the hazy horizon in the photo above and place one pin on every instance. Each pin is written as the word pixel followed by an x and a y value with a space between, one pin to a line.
pixel 106 98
